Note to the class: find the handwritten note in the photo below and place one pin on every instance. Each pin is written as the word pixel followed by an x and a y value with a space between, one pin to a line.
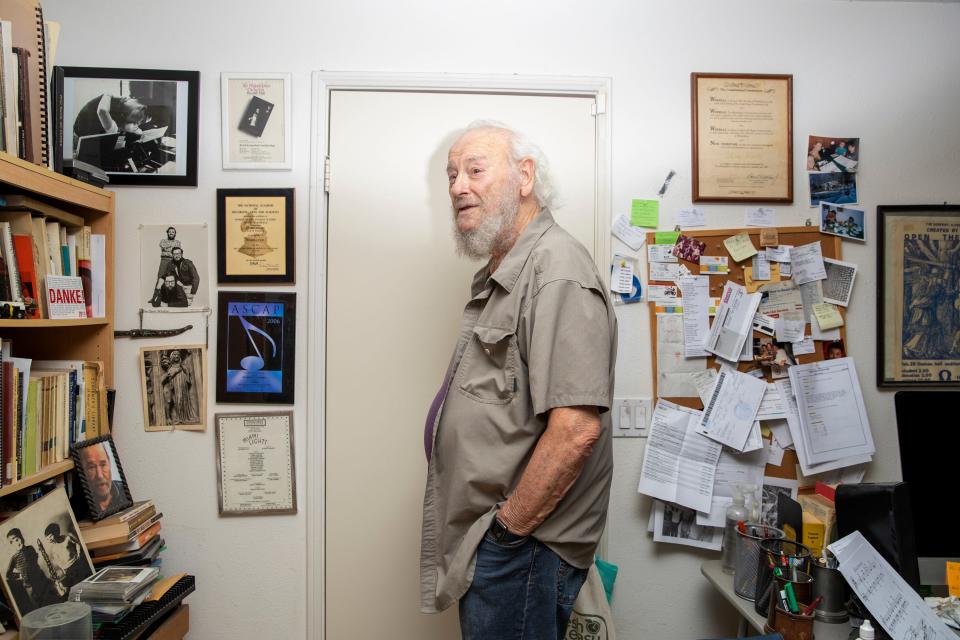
pixel 761 217
pixel 645 213
pixel 628 234
pixel 695 217
pixel 827 316
pixel 740 247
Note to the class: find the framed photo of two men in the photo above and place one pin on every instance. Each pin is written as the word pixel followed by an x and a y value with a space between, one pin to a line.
pixel 255 236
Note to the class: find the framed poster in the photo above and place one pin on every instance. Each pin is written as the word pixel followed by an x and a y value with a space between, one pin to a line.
pixel 138 125
pixel 255 469
pixel 255 347
pixel 42 554
pixel 173 381
pixel 255 120
pixel 918 305
pixel 255 236
pixel 742 137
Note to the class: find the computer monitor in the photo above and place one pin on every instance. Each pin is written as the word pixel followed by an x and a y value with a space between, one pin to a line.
pixel 929 445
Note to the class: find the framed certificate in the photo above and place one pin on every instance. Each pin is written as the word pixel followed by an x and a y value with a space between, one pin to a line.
pixel 918 320
pixel 255 120
pixel 255 468
pixel 742 137
pixel 255 236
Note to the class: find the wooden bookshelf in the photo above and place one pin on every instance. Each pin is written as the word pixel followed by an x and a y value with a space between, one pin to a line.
pixel 50 471
pixel 46 323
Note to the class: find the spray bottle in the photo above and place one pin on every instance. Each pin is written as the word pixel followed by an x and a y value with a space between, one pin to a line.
pixel 736 513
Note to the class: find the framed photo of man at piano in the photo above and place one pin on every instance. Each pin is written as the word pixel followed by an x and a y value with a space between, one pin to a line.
pixel 255 347
pixel 255 236
pixel 137 125
pixel 173 382
pixel 255 120
pixel 918 305
pixel 42 554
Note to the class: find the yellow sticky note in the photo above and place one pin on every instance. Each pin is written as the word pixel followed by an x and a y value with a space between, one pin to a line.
pixel 953 578
pixel 645 213
pixel 740 247
pixel 753 285
pixel 827 316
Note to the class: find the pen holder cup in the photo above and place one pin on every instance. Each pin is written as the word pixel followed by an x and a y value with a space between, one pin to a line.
pixel 775 550
pixel 830 584
pixel 791 626
pixel 748 553
pixel 802 591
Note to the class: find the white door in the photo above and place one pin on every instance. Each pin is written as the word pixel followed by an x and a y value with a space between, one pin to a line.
pixel 395 292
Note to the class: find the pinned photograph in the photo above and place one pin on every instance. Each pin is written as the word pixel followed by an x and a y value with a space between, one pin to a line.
pixel 173 381
pixel 173 267
pixel 834 350
pixel 846 222
pixel 678 525
pixel 139 126
pixel 773 488
pixel 101 477
pixel 42 554
pixel 255 120
pixel 834 188
pixel 689 249
pixel 776 355
pixel 833 155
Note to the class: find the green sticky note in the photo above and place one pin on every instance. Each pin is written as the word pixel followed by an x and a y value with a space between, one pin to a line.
pixel 666 237
pixel 645 213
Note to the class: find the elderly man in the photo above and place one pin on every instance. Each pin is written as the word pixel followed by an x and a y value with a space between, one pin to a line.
pixel 518 438
pixel 108 494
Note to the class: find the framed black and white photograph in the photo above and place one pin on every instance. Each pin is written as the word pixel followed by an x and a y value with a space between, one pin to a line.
pixel 255 347
pixel 255 463
pixel 42 554
pixel 255 236
pixel 173 383
pixel 101 477
pixel 173 267
pixel 255 120
pixel 137 125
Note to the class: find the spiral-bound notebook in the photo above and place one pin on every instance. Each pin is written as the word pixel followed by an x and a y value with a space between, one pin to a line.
pixel 148 613
pixel 26 17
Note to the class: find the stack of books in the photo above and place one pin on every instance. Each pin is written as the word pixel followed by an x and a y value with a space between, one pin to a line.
pixel 114 590
pixel 43 247
pixel 130 538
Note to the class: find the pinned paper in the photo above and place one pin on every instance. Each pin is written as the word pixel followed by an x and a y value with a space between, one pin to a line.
pixel 769 237
pixel 714 264
pixel 628 234
pixel 661 253
pixel 827 315
pixel 752 285
pixel 645 213
pixel 780 253
pixel 666 237
pixel 664 272
pixel 740 247
pixel 663 293
pixel 761 266
pixel 761 217
pixel 621 275
pixel 695 217
pixel 689 249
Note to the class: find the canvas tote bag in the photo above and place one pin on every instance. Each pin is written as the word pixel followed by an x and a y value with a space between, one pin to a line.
pixel 591 619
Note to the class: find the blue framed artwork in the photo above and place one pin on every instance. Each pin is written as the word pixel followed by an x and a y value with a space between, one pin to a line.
pixel 255 347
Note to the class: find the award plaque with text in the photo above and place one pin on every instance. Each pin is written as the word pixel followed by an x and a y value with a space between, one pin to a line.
pixel 742 137
pixel 255 236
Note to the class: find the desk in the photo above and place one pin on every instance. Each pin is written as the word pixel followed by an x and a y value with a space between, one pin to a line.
pixel 713 571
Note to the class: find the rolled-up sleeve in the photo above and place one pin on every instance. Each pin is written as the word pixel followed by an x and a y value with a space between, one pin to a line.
pixel 567 335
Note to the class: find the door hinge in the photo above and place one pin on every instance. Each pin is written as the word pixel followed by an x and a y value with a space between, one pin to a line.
pixel 599 105
pixel 326 174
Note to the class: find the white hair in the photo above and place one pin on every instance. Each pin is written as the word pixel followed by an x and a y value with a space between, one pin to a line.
pixel 522 147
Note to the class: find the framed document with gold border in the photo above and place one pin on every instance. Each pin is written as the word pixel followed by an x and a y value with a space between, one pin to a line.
pixel 255 463
pixel 255 236
pixel 742 137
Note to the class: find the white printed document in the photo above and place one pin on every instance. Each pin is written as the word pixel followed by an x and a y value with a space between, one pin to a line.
pixel 831 410
pixel 729 416
pixel 734 322
pixel 895 605
pixel 679 464
pixel 696 314
pixel 807 263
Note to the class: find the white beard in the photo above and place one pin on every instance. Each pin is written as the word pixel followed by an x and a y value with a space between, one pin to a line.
pixel 495 231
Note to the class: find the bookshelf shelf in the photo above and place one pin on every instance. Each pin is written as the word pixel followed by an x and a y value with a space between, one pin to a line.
pixel 50 471
pixel 52 324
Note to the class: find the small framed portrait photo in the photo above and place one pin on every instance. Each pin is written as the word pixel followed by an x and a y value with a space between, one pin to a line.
pixel 138 125
pixel 255 120
pixel 255 236
pixel 101 477
pixel 42 554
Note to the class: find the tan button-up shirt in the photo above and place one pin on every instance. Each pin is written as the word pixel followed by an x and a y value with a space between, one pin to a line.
pixel 538 333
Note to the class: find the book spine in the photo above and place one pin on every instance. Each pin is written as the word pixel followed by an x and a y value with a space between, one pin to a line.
pixel 8 429
pixel 10 258
pixel 23 246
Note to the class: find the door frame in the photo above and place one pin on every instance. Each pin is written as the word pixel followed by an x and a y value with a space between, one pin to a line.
pixel 323 83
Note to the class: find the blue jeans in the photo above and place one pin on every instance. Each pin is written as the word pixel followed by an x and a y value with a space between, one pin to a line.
pixel 521 590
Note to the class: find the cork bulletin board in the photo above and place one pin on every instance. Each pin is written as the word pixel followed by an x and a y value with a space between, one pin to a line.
pixel 713 238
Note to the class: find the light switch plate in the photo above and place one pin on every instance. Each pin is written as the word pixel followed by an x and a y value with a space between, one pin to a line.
pixel 631 417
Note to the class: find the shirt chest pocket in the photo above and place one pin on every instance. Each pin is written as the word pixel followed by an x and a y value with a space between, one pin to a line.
pixel 488 370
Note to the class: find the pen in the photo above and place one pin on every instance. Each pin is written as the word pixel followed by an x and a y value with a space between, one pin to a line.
pixel 813 605
pixel 791 598
pixel 783 600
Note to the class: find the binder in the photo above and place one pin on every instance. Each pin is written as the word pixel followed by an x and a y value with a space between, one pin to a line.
pixel 26 18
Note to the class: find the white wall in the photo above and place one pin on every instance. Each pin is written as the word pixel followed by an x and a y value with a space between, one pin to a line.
pixel 887 72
